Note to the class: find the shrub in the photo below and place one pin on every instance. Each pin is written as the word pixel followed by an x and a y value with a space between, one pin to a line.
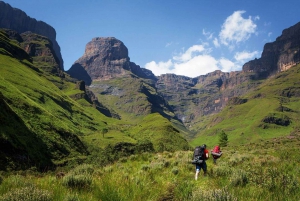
pixel 30 193
pixel 175 171
pixel 145 167
pixel 83 169
pixel 77 181
pixel 1 179
pixel 222 171
pixel 213 195
pixel 80 177
pixel 71 197
pixel 239 178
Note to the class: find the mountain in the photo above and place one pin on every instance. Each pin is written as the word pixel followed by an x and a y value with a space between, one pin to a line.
pixel 269 111
pixel 17 20
pixel 195 99
pixel 48 119
pixel 104 59
pixel 117 82
pixel 106 106
pixel 279 55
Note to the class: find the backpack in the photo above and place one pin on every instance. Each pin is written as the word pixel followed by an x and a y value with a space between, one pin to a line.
pixel 216 149
pixel 198 155
pixel 216 152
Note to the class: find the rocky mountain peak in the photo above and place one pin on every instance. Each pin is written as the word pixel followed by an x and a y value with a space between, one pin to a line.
pixel 17 20
pixel 106 48
pixel 279 55
pixel 105 58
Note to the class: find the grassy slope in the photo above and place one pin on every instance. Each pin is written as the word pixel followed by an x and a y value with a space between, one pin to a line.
pixel 62 128
pixel 244 122
pixel 264 171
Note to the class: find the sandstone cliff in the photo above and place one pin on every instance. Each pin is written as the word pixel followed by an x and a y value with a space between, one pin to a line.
pixel 16 19
pixel 279 55
pixel 39 49
pixel 104 59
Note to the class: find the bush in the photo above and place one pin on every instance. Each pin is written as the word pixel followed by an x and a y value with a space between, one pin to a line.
pixel 222 171
pixel 213 195
pixel 77 181
pixel 175 171
pixel 80 177
pixel 30 193
pixel 71 197
pixel 83 169
pixel 239 178
pixel 145 167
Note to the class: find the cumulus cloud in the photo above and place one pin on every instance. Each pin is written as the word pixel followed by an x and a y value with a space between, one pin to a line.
pixel 199 60
pixel 226 65
pixel 237 29
pixel 198 65
pixel 190 53
pixel 244 56
pixel 160 67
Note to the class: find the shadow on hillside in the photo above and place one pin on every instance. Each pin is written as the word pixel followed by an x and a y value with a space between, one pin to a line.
pixel 77 71
pixel 19 147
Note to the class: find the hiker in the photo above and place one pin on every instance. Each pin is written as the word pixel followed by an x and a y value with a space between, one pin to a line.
pixel 200 156
pixel 216 153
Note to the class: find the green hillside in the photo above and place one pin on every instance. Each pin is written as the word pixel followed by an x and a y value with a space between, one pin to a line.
pixel 271 110
pixel 41 125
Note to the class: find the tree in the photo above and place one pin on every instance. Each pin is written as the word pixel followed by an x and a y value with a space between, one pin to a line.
pixel 223 139
pixel 104 130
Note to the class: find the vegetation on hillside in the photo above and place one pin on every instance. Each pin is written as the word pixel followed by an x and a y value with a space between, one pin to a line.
pixel 271 110
pixel 267 170
pixel 42 126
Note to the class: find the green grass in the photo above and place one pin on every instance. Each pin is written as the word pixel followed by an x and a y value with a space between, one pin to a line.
pixel 266 170
pixel 244 122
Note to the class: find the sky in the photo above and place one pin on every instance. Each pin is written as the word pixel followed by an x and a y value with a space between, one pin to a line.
pixel 184 37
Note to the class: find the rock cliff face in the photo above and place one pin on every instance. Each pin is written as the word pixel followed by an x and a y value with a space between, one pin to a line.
pixel 39 49
pixel 279 55
pixel 16 19
pixel 192 98
pixel 104 59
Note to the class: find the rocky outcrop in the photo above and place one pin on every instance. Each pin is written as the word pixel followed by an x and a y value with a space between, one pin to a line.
pixel 106 58
pixel 16 19
pixel 39 49
pixel 279 55
pixel 192 98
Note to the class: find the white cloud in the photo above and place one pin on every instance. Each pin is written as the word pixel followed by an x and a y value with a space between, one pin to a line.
pixel 227 65
pixel 198 65
pixel 208 35
pixel 216 42
pixel 269 34
pixel 237 29
pixel 244 56
pixel 199 60
pixel 160 67
pixel 190 53
pixel 193 62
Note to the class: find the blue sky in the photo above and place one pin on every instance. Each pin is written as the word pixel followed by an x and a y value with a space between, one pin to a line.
pixel 184 37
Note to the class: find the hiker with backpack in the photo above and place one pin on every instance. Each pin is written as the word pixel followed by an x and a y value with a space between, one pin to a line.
pixel 216 153
pixel 200 156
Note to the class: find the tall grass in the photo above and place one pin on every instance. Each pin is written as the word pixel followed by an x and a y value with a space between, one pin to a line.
pixel 239 174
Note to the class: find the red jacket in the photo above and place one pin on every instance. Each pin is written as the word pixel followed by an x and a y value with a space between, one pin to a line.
pixel 206 154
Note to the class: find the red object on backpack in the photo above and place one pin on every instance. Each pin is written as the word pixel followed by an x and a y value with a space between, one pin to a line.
pixel 216 150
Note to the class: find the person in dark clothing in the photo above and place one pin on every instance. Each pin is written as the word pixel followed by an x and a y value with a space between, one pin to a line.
pixel 202 165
